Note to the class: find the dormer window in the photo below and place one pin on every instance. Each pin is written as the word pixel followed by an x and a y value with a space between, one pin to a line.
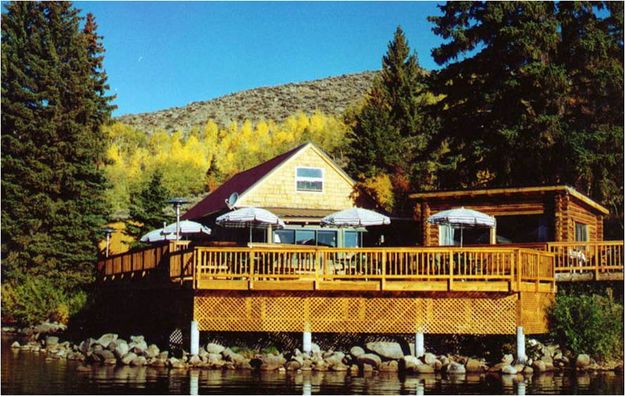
pixel 309 179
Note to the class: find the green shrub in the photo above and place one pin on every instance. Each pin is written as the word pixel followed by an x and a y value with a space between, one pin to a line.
pixel 591 324
pixel 38 299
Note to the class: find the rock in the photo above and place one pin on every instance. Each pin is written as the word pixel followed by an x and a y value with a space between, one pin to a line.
pixel 339 367
pixel 83 368
pixel 438 365
pixel 455 368
pixel 424 369
pixel 103 355
pixel 388 350
pixel 195 360
pixel 85 346
pixel 121 349
pixel 106 339
pixel 128 358
pixel 15 345
pixel 281 370
pixel 528 370
pixel 390 366
pixel 508 369
pixel 547 359
pixel 293 365
pixel 335 358
pixel 314 348
pixel 139 346
pixel 473 365
pixel 138 361
pixel 582 361
pixel 320 365
pixel 163 355
pixel 507 359
pixel 271 363
pixel 51 341
pixel 370 359
pixel 214 348
pixel 353 369
pixel 356 351
pixel 110 361
pixel 152 351
pixel 367 368
pixel 539 366
pixel 410 362
pixel 306 366
pixel 429 358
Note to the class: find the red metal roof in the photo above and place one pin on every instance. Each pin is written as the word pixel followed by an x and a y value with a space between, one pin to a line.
pixel 239 183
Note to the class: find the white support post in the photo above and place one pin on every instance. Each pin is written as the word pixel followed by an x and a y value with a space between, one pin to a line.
pixel 520 346
pixel 195 338
pixel 419 346
pixel 307 342
pixel 194 382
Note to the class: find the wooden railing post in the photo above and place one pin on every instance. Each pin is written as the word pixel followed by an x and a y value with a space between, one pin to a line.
pixel 318 268
pixel 519 269
pixel 251 269
pixel 383 281
pixel 451 269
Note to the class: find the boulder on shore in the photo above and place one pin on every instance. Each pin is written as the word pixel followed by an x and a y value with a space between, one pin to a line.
pixel 106 339
pixel 356 351
pixel 214 348
pixel 370 359
pixel 582 361
pixel 388 350
pixel 455 368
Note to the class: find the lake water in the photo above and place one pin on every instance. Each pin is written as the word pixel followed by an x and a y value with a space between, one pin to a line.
pixel 30 373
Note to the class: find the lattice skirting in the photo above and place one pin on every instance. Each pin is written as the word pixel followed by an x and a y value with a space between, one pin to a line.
pixel 438 313
pixel 533 311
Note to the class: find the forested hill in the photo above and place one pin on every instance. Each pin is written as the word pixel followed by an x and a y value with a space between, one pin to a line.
pixel 331 96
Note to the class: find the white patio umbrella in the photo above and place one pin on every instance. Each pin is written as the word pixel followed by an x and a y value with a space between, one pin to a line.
pixel 355 217
pixel 250 217
pixel 462 218
pixel 169 232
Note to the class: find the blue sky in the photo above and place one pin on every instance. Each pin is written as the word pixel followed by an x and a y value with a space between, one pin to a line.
pixel 169 54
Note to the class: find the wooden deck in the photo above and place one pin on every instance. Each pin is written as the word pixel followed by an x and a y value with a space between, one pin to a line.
pixel 471 290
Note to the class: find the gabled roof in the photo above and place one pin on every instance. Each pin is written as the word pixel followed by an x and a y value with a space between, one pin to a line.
pixel 245 181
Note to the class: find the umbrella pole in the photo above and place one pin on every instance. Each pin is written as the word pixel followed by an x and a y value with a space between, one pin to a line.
pixel 461 235
pixel 250 232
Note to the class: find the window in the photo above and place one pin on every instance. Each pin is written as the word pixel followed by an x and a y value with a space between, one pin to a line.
pixel 309 179
pixel 581 232
pixel 326 238
pixel 284 236
pixel 305 237
pixel 352 239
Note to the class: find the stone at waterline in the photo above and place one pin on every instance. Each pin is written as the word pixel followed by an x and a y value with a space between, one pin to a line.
pixel 438 365
pixel 356 351
pixel 422 368
pixel 353 369
pixel 152 351
pixel 507 359
pixel 320 365
pixel 473 366
pixel 83 368
pixel 129 357
pixel 508 369
pixel 582 361
pixel 519 367
pixel 106 339
pixel 370 359
pixel 367 368
pixel 429 358
pixel 539 366
pixel 390 366
pixel 314 348
pixel 387 350
pixel 138 361
pixel 51 341
pixel 15 345
pixel 455 368
pixel 214 348
pixel 410 362
pixel 293 365
pixel 121 349
pixel 138 344
pixel 528 370
pixel 195 360
pixel 163 355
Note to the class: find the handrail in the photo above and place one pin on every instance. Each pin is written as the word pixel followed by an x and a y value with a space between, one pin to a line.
pixel 594 257
pixel 386 265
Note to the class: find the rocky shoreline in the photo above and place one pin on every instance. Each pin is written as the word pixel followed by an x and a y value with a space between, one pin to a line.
pixel 378 356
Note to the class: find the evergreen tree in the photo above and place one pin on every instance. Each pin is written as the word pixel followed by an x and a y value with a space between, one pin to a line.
pixel 533 94
pixel 388 135
pixel 146 207
pixel 52 146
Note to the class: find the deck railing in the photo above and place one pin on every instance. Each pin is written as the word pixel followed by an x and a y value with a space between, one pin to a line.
pixel 385 265
pixel 578 257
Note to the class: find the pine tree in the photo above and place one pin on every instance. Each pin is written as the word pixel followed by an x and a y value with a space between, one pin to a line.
pixel 388 136
pixel 146 207
pixel 533 94
pixel 52 146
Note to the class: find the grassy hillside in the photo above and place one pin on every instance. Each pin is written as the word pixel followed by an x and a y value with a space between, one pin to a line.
pixel 331 96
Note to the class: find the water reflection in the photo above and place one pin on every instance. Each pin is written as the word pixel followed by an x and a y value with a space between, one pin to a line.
pixel 25 372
